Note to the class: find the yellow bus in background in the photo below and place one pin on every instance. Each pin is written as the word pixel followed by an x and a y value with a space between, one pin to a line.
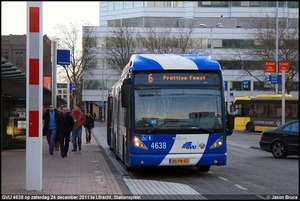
pixel 263 112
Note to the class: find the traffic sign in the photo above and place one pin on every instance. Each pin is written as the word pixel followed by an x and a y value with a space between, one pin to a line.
pixel 72 86
pixel 273 79
pixel 270 67
pixel 284 65
pixel 63 57
pixel 247 84
pixel 225 85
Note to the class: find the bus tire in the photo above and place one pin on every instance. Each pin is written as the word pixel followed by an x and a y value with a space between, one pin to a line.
pixel 203 168
pixel 279 150
pixel 115 150
pixel 250 127
pixel 123 152
pixel 129 169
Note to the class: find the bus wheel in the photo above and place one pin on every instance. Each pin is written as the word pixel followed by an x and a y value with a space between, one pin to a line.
pixel 116 154
pixel 129 169
pixel 250 127
pixel 203 168
pixel 279 150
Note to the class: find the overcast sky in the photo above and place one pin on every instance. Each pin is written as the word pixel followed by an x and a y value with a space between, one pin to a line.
pixel 14 16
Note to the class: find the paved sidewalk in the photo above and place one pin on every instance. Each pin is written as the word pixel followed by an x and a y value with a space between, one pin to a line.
pixel 83 172
pixel 93 171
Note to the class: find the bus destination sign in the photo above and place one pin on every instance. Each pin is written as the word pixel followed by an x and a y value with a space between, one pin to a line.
pixel 177 78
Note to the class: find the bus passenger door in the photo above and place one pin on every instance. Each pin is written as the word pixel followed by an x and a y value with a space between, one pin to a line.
pixel 128 134
pixel 109 132
pixel 118 136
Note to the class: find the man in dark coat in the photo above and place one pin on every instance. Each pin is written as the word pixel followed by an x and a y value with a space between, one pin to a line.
pixel 50 128
pixel 65 125
pixel 89 124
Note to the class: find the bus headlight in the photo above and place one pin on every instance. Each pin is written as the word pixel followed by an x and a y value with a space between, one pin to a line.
pixel 138 143
pixel 217 143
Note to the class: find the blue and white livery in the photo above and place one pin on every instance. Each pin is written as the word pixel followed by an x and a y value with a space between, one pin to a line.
pixel 169 110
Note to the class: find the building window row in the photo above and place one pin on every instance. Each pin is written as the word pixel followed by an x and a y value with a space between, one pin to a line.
pixel 272 4
pixel 61 85
pixel 205 43
pixel 247 64
pixel 259 86
pixel 118 5
pixel 62 91
pixel 63 97
pixel 98 84
pixel 19 59
pixel 4 55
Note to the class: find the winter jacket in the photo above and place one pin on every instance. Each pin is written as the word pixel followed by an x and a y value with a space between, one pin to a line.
pixel 46 119
pixel 79 119
pixel 65 123
pixel 89 122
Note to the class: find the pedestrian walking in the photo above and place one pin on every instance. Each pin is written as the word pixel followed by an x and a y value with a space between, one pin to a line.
pixel 94 115
pixel 65 124
pixel 89 124
pixel 100 114
pixel 79 121
pixel 50 128
pixel 57 138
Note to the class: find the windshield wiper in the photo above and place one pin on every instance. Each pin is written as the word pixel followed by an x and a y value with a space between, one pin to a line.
pixel 205 129
pixel 157 127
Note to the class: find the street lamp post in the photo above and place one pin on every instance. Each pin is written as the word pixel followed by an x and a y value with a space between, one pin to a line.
pixel 102 108
pixel 218 25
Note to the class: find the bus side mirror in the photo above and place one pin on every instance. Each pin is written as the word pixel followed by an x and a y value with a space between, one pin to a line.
pixel 229 123
pixel 125 93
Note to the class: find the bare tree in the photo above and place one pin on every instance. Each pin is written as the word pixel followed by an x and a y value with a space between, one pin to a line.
pixel 263 30
pixel 166 39
pixel 124 39
pixel 120 44
pixel 82 54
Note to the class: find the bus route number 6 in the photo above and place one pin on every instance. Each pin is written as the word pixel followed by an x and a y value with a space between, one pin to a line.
pixel 150 78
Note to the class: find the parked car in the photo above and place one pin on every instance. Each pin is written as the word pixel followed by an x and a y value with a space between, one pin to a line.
pixel 281 141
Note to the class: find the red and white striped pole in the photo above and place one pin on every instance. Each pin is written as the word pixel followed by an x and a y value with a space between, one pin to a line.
pixel 34 96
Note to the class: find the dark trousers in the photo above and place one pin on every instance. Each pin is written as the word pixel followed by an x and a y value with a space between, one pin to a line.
pixel 64 142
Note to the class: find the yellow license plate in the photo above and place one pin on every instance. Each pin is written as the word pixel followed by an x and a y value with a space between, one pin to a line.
pixel 180 160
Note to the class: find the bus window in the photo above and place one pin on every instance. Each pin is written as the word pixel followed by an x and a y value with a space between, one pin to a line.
pixel 263 109
pixel 253 111
pixel 288 113
pixel 294 110
pixel 278 111
pixel 271 110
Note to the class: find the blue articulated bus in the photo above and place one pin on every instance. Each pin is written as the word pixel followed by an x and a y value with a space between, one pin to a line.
pixel 155 113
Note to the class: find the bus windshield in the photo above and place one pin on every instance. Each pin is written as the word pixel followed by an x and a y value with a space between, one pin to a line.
pixel 179 109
